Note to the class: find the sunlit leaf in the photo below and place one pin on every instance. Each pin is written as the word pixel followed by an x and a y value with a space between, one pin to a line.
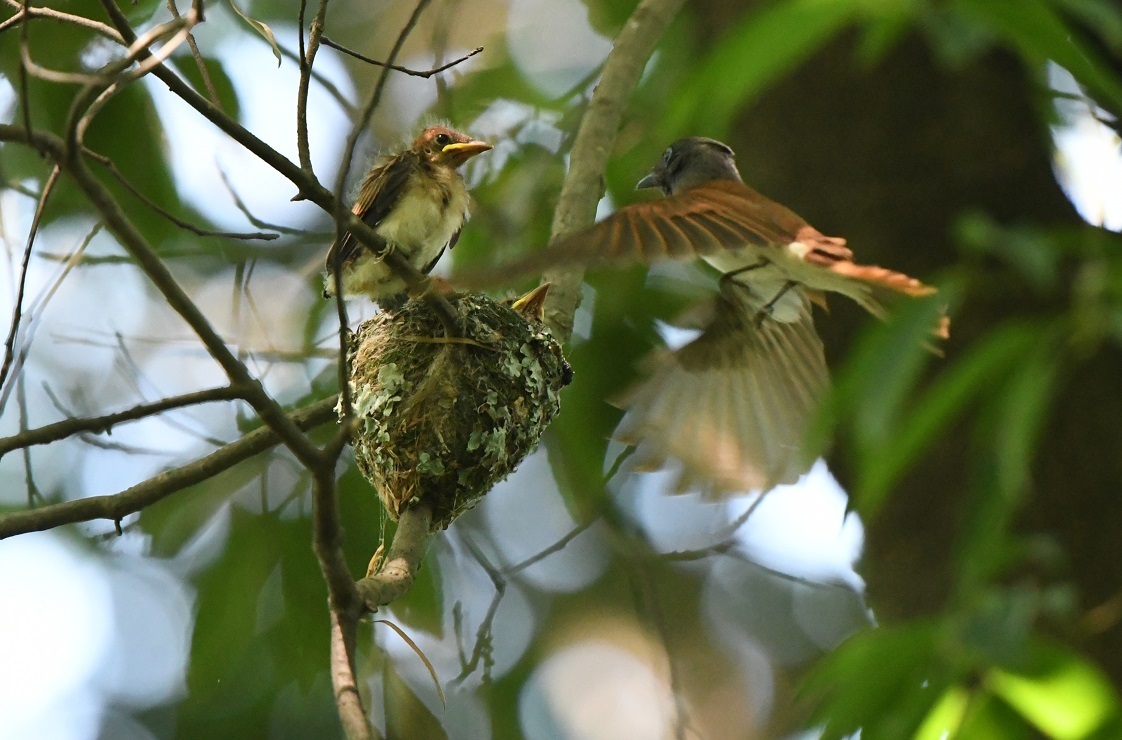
pixel 944 718
pixel 261 28
pixel 1061 693
pixel 988 717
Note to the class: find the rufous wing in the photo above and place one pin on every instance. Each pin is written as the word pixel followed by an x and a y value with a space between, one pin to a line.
pixel 716 216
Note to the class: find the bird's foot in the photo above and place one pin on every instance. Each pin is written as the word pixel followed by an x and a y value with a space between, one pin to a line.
pixel 768 307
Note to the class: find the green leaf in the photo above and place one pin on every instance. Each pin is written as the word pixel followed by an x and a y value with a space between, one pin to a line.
pixel 261 28
pixel 227 95
pixel 947 399
pixel 1061 693
pixel 1034 29
pixel 1101 16
pixel 988 717
pixel 1023 408
pixel 945 716
pixel 871 677
pixel 752 56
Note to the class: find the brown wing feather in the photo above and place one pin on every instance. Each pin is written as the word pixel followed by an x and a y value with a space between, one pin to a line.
pixel 378 195
pixel 733 406
pixel 703 220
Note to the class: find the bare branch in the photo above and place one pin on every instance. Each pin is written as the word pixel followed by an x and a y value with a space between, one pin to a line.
pixel 135 243
pixel 13 330
pixel 583 187
pixel 200 63
pixel 100 424
pixel 348 699
pixel 57 15
pixel 412 72
pixel 557 546
pixel 110 165
pixel 307 59
pixel 117 506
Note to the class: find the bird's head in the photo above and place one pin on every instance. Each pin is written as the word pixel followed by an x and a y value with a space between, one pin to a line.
pixel 443 146
pixel 689 162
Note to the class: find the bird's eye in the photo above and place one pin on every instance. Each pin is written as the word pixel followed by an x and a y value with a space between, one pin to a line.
pixel 667 155
pixel 443 140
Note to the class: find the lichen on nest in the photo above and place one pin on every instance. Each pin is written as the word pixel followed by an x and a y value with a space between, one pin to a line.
pixel 443 422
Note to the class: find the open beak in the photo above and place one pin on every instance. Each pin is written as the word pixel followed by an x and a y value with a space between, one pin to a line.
pixel 462 151
pixel 532 304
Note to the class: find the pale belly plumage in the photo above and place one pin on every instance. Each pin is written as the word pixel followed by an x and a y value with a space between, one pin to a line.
pixel 420 227
pixel 782 265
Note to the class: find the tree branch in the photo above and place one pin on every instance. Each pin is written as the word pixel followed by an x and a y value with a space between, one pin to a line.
pixel 13 330
pixel 584 183
pixel 69 427
pixel 412 72
pixel 403 560
pixel 119 505
pixel 135 243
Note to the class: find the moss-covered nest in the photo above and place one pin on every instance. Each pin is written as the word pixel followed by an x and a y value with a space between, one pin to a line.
pixel 443 422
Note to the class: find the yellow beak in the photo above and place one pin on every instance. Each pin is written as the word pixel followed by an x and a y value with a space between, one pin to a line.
pixel 462 151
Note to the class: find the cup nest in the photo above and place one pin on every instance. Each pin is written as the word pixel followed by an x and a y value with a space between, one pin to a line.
pixel 443 422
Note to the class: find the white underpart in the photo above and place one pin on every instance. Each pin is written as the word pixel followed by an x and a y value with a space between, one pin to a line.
pixel 420 226
pixel 785 264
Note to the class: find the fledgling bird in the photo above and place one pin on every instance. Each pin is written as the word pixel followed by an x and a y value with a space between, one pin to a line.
pixel 417 201
pixel 734 405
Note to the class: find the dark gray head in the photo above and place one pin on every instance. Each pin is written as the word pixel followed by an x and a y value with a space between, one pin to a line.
pixel 689 162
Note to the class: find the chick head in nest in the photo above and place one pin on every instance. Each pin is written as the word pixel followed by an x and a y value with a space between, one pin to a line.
pixel 443 422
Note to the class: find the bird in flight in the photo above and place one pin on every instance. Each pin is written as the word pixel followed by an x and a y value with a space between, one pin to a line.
pixel 734 405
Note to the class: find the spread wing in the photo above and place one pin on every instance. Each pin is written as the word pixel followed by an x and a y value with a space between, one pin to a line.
pixel 703 220
pixel 379 193
pixel 735 405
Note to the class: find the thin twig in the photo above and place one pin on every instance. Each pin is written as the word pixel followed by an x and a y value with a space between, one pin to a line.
pixel 307 60
pixel 200 63
pixel 117 506
pixel 134 242
pixel 557 546
pixel 57 15
pixel 100 424
pixel 241 206
pixel 388 65
pixel 13 330
pixel 38 306
pixel 110 165
pixel 483 634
